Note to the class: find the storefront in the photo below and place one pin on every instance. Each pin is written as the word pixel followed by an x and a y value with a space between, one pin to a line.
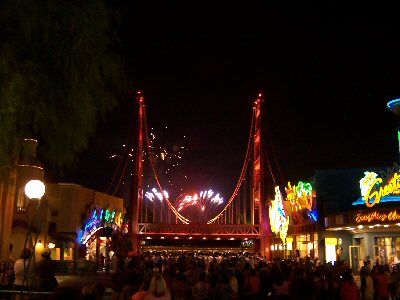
pixel 294 222
pixel 96 237
pixel 371 230
pixel 302 233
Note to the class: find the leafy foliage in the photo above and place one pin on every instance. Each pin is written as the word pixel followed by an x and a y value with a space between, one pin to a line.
pixel 59 73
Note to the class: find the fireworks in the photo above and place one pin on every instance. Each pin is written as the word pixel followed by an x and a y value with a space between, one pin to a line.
pixel 154 194
pixel 199 208
pixel 166 157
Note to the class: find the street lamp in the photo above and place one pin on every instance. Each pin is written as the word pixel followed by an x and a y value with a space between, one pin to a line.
pixel 34 190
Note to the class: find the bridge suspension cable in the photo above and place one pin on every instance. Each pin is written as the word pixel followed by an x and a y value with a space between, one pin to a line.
pixel 178 215
pixel 124 159
pixel 243 172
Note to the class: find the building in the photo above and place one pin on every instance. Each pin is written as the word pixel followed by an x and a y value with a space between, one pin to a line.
pixel 294 221
pixel 361 214
pixel 62 219
pixel 72 220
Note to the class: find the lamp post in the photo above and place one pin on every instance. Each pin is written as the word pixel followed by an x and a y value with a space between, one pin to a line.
pixel 34 190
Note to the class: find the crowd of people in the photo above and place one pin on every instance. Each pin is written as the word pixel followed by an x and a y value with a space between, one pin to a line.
pixel 181 277
pixel 235 277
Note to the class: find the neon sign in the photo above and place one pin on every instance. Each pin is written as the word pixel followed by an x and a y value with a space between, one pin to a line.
pixel 378 216
pixel 99 219
pixel 374 189
pixel 300 196
pixel 278 220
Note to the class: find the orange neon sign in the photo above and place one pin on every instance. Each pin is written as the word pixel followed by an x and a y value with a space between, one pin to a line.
pixel 300 196
pixel 378 216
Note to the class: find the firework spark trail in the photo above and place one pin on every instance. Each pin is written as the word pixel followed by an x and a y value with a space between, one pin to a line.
pixel 199 206
pixel 154 194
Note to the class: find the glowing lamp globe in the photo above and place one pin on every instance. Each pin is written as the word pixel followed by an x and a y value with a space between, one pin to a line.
pixel 35 189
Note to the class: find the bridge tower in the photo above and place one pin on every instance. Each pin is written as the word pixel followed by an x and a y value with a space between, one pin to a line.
pixel 136 198
pixel 260 213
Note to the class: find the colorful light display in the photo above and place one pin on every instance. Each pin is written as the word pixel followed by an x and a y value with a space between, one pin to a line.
pixel 101 218
pixel 301 200
pixel 375 189
pixel 279 221
pixel 300 196
pixel 199 207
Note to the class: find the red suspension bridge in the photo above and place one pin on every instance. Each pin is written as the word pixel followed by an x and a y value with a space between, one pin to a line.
pixel 243 216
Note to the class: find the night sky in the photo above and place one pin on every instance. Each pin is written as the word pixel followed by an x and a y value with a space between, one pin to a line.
pixel 326 73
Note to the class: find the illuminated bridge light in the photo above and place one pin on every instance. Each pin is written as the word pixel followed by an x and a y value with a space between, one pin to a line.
pixel 371 226
pixel 204 238
pixel 176 238
pixel 232 238
pixel 162 238
pixel 190 237
pixel 386 226
pixel 149 238
pixel 218 239
pixel 360 227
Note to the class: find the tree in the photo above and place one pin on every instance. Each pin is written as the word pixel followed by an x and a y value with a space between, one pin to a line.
pixel 59 73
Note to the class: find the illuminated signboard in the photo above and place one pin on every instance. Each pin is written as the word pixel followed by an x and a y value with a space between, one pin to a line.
pixel 278 219
pixel 300 197
pixel 379 188
pixel 101 218
pixel 393 216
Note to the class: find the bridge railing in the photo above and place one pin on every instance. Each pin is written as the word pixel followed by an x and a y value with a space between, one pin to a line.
pixel 231 230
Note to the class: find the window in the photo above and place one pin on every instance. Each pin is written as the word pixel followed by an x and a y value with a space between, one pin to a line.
pixel 387 250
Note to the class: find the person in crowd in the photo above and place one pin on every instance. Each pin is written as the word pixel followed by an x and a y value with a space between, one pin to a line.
pixel 381 283
pixel 108 263
pixel 158 289
pixel 349 290
pixel 253 285
pixel 201 288
pixel 102 261
pixel 46 269
pixel 233 283
pixel 93 292
pixel 128 291
pixel 395 283
pixel 280 286
pixel 367 284
pixel 180 287
pixel 144 289
pixel 24 271
pixel 222 289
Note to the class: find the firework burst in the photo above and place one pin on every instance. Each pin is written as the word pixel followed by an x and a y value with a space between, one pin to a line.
pixel 199 207
pixel 154 194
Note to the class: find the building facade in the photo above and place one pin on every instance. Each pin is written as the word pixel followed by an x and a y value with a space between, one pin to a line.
pixel 361 215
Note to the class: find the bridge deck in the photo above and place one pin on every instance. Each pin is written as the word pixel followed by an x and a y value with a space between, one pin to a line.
pixel 215 230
